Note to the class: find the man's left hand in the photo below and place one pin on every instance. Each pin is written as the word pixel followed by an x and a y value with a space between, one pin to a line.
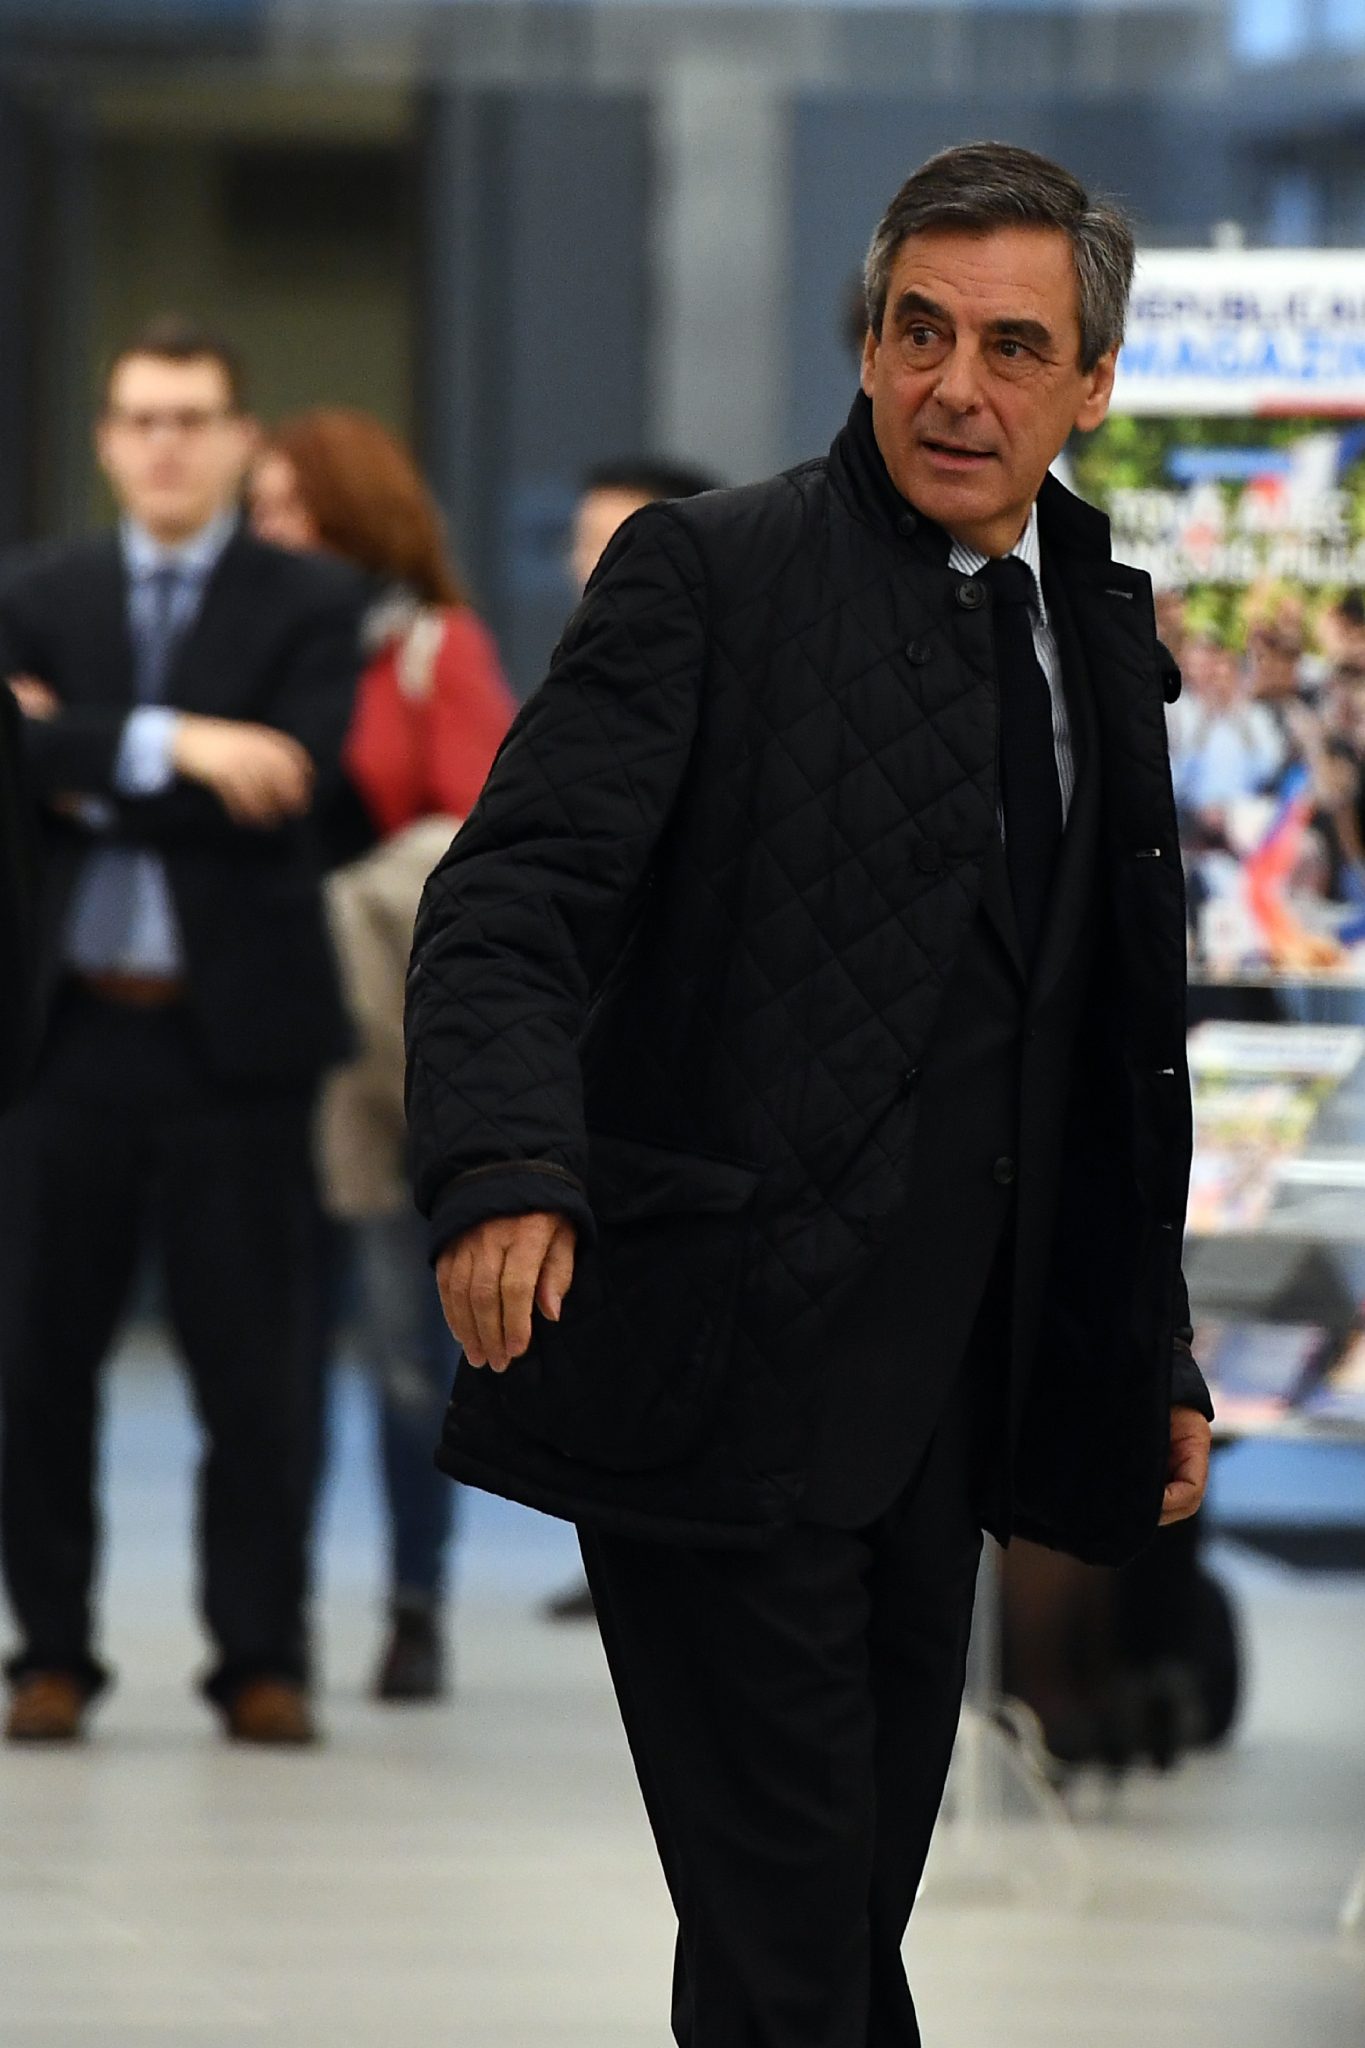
pixel 1187 1474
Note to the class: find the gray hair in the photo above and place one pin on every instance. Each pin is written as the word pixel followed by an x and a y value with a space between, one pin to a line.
pixel 986 185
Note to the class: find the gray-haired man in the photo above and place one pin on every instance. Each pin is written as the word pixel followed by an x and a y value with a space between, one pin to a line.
pixel 807 1152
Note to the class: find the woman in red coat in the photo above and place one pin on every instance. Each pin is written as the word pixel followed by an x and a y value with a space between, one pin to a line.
pixel 430 713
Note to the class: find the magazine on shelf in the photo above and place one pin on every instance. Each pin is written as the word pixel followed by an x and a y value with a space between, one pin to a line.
pixel 1308 1052
pixel 1258 1090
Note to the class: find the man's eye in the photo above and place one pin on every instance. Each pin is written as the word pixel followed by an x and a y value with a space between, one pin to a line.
pixel 1014 351
pixel 921 337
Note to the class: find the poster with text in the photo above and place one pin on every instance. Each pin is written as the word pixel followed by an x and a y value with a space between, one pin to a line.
pixel 1232 467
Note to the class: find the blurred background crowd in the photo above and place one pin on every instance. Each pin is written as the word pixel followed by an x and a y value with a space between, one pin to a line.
pixel 253 716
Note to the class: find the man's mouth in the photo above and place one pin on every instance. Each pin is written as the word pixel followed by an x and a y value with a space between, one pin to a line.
pixel 954 454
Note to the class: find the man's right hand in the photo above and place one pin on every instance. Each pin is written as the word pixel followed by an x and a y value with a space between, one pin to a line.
pixel 260 776
pixel 492 1277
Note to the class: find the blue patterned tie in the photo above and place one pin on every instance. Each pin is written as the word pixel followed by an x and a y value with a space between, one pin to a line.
pixel 157 635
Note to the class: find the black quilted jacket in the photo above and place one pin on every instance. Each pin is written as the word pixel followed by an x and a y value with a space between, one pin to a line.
pixel 676 973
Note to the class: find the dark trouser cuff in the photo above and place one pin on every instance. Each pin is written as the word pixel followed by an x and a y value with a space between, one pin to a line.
pixel 92 1676
pixel 226 1680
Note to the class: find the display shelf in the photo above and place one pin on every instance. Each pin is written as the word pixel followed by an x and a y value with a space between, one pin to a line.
pixel 1308 1210
pixel 1330 979
pixel 1275 1255
pixel 1280 1132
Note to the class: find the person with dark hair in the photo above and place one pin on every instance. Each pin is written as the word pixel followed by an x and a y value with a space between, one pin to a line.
pixel 171 338
pixel 430 714
pixel 808 1150
pixel 185 690
pixel 611 491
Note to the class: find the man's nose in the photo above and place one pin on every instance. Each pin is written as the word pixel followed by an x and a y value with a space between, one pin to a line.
pixel 959 384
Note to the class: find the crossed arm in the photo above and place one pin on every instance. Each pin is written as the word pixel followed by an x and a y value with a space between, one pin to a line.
pixel 262 777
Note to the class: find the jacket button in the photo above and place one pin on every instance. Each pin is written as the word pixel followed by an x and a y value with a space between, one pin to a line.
pixel 906 523
pixel 1003 1172
pixel 971 595
pixel 918 652
pixel 910 1080
pixel 928 856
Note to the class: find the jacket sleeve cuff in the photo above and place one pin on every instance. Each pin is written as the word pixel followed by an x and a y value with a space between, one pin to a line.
pixel 74 753
pixel 1189 1388
pixel 514 1190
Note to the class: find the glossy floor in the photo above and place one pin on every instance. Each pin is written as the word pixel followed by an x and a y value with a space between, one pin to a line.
pixel 479 1875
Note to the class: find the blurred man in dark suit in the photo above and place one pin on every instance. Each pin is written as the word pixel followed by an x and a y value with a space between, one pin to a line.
pixel 184 687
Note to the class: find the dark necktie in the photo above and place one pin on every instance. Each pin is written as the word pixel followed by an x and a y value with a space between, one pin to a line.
pixel 1030 793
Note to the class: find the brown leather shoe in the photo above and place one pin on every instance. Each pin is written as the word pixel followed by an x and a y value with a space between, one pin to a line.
pixel 46 1706
pixel 270 1710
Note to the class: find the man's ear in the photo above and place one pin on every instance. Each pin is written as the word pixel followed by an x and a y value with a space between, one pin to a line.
pixel 868 373
pixel 1099 390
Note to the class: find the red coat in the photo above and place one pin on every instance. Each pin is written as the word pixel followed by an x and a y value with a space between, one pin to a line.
pixel 430 714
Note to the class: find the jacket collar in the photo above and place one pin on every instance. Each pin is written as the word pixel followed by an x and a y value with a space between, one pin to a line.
pixel 1066 523
pixel 1069 526
pixel 862 479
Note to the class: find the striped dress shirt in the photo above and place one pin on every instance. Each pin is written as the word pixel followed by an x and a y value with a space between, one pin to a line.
pixel 1029 551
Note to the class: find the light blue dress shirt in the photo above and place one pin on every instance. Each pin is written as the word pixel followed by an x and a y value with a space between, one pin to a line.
pixel 122 919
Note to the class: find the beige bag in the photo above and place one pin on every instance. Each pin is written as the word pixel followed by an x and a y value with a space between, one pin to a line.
pixel 372 906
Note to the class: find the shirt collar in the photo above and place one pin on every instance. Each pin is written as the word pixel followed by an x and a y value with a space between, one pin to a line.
pixel 195 558
pixel 1029 550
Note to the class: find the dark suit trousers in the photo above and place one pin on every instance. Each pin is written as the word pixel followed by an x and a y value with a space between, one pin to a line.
pixel 124 1141
pixel 791 1713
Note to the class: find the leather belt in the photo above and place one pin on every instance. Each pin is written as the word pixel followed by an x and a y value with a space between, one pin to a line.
pixel 134 991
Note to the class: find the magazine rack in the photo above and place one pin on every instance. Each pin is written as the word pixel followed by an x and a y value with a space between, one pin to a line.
pixel 1310 1209
pixel 1005 1831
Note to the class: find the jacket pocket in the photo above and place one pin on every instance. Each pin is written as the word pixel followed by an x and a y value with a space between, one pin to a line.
pixel 630 1377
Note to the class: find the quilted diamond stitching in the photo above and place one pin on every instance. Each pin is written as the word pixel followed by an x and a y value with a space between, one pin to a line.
pixel 806 697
